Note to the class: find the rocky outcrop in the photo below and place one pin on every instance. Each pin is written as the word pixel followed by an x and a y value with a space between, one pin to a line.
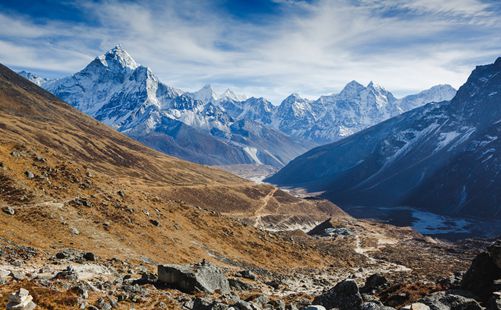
pixel 445 301
pixel 345 296
pixel 330 228
pixel 199 277
pixel 482 276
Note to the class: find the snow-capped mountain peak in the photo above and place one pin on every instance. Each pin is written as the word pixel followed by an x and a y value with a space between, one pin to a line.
pixel 351 89
pixel 436 93
pixel 33 77
pixel 205 94
pixel 118 57
pixel 228 94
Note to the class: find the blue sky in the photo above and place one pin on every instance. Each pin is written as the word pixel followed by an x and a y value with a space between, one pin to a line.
pixel 267 48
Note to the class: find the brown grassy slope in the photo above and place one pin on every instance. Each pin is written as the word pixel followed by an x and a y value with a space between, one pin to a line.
pixel 73 156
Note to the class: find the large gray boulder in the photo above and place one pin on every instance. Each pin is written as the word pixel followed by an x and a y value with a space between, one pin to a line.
pixel 483 272
pixel 199 277
pixel 344 296
pixel 444 301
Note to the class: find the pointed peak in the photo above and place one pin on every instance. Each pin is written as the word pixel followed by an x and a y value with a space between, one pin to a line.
pixel 354 83
pixel 374 85
pixel 352 88
pixel 117 56
pixel 205 94
pixel 228 94
pixel 207 87
pixel 293 97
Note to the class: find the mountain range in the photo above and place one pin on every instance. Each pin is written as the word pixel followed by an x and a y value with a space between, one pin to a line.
pixel 93 219
pixel 443 157
pixel 223 129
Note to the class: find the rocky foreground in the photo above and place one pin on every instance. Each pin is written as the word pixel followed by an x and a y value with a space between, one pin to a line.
pixel 72 279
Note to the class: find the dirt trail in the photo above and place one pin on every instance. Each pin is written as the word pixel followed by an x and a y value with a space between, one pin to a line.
pixel 264 204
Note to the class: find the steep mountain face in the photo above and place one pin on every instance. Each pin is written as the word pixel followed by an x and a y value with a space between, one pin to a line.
pixel 443 157
pixel 356 107
pixel 117 91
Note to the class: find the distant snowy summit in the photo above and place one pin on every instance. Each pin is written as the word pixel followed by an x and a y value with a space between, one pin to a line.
pixel 356 107
pixel 33 78
pixel 227 128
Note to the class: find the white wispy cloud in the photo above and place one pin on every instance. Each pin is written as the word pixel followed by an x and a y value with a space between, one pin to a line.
pixel 312 48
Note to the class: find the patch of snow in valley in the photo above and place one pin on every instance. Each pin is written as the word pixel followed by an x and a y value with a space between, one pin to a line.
pixel 431 223
pixel 252 152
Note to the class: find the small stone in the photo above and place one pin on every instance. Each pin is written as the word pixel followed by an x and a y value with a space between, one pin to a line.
pixel 61 255
pixel 273 283
pixel 9 210
pixel 314 307
pixel 74 231
pixel 155 222
pixel 82 202
pixel 247 274
pixel 89 256
pixel 29 174
pixel 69 273
pixel 17 275
pixel 121 193
pixel 419 306
pixel 16 153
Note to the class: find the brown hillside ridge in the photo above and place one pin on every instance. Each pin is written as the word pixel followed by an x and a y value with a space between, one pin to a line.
pixel 71 185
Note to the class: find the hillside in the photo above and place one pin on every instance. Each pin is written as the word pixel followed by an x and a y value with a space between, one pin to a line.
pixel 73 156
pixel 441 157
